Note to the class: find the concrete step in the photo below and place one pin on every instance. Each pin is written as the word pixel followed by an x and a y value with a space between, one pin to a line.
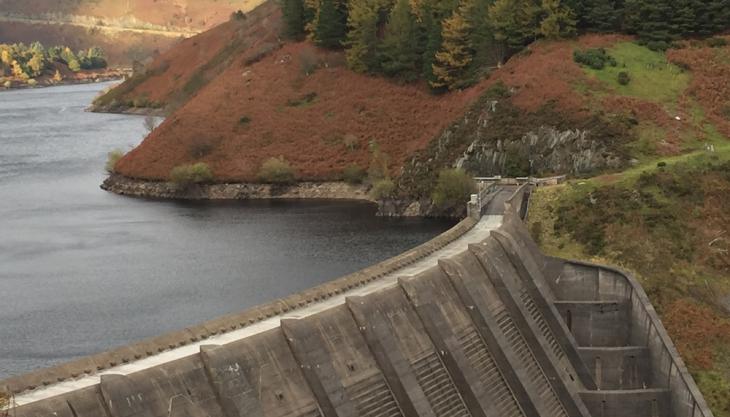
pixel 624 403
pixel 597 323
pixel 619 368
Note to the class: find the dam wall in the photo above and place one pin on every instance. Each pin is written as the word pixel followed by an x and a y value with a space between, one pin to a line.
pixel 496 330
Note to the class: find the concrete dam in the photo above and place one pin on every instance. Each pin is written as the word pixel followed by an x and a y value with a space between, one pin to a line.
pixel 476 322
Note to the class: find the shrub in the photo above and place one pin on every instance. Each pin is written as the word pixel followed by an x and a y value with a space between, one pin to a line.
pixel 32 82
pixel 191 174
pixel 112 158
pixel 303 100
pixel 624 78
pixel 7 84
pixel 658 46
pixel 378 169
pixel 308 62
pixel 716 42
pixel 244 120
pixel 596 58
pixel 354 174
pixel 238 15
pixel 453 188
pixel 351 142
pixel 200 150
pixel 383 189
pixel 276 171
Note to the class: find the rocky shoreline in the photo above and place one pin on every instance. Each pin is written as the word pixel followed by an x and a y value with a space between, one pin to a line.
pixel 93 78
pixel 234 191
pixel 330 190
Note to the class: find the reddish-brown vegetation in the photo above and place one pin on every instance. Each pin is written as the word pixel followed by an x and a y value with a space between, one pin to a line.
pixel 697 331
pixel 320 122
pixel 175 75
pixel 710 74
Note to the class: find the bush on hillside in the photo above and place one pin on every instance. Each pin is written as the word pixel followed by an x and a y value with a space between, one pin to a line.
pixel 112 158
pixel 276 171
pixel 354 174
pixel 596 58
pixel 453 188
pixel 238 15
pixel 383 189
pixel 624 78
pixel 191 174
pixel 379 160
pixel 716 42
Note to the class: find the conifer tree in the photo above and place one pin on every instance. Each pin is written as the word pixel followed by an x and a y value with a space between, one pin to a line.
pixel 293 11
pixel 362 37
pixel 331 25
pixel 558 21
pixel 399 53
pixel 432 13
pixel 453 59
pixel 514 22
pixel 486 50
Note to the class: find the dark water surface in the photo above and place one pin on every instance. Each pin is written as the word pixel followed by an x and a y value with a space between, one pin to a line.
pixel 82 270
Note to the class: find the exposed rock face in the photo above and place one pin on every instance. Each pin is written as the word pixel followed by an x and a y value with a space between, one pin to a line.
pixel 545 149
pixel 326 190
pixel 495 137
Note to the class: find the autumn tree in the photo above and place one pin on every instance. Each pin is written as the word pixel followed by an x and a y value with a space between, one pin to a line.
pixel 431 14
pixel 456 54
pixel 558 21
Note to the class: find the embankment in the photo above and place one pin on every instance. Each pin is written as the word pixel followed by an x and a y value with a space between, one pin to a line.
pixel 239 191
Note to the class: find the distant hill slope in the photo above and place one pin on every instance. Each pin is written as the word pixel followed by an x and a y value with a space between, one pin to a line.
pixel 128 30
pixel 174 76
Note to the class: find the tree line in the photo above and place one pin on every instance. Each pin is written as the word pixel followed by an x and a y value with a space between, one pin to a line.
pixel 29 61
pixel 451 43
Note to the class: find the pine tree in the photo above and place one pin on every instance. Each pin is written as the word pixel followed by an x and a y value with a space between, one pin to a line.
pixel 293 11
pixel 432 13
pixel 331 25
pixel 597 15
pixel 514 22
pixel 362 37
pixel 399 53
pixel 558 21
pixel 453 59
pixel 486 50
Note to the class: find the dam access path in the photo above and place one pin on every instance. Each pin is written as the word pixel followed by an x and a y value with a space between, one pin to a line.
pixel 491 220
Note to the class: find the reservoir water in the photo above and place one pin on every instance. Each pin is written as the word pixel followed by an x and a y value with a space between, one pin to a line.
pixel 82 270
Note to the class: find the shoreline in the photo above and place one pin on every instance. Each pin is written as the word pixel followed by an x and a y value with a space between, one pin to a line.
pixel 307 190
pixel 115 75
pixel 329 190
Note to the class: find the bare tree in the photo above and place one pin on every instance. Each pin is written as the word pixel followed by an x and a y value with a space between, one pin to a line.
pixel 150 123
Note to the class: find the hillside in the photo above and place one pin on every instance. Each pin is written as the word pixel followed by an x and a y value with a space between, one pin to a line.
pixel 176 75
pixel 127 30
pixel 541 103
